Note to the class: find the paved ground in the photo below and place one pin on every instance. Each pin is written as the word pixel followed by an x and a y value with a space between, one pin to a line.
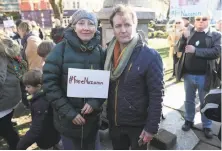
pixel 173 111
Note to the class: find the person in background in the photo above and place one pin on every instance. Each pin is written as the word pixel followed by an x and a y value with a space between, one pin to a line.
pixel 187 23
pixel 37 30
pixel 42 129
pixel 75 118
pixel 30 44
pixel 173 38
pixel 57 32
pixel 201 47
pixel 16 36
pixel 10 93
pixel 136 86
pixel 219 26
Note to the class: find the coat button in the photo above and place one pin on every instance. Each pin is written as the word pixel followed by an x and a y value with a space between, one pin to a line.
pixel 130 107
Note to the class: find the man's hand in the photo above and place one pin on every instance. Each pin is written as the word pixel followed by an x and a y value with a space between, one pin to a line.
pixel 147 137
pixel 189 49
pixel 79 120
pixel 87 109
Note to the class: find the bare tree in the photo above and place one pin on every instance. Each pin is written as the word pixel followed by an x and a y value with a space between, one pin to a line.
pixel 57 8
pixel 168 11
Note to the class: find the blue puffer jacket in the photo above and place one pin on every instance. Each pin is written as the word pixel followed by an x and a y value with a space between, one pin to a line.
pixel 135 98
pixel 71 53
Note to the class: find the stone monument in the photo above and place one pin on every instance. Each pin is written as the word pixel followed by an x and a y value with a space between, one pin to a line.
pixel 144 14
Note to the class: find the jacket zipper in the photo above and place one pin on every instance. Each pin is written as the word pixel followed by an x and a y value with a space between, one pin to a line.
pixel 130 66
pixel 116 95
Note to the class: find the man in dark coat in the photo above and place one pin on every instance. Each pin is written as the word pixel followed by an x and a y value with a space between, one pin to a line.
pixel 201 47
pixel 136 87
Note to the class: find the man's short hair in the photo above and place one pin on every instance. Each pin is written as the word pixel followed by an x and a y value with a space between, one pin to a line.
pixel 121 10
pixel 18 22
pixel 25 26
pixel 33 77
pixel 45 47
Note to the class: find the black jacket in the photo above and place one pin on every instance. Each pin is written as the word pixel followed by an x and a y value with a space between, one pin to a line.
pixel 135 98
pixel 211 53
pixel 42 130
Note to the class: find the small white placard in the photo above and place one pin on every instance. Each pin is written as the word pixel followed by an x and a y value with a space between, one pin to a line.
pixel 188 8
pixel 86 83
pixel 8 23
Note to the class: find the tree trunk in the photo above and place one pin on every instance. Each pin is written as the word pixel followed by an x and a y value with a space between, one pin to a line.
pixel 60 6
pixel 56 9
pixel 168 11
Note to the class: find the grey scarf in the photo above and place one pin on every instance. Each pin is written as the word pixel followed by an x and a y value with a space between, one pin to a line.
pixel 115 73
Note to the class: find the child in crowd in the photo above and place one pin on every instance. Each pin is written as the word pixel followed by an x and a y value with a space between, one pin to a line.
pixel 44 48
pixel 42 130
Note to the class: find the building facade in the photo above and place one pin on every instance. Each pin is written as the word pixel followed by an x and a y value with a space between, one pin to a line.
pixel 33 5
pixel 9 6
pixel 91 5
pixel 36 10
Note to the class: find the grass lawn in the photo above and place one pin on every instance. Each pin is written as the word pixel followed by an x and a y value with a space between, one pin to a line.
pixel 161 45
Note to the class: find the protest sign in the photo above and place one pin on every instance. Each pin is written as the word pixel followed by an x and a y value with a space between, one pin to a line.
pixel 188 8
pixel 85 83
pixel 8 23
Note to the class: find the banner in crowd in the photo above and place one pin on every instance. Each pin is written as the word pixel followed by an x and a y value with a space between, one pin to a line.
pixel 84 83
pixel 8 23
pixel 188 8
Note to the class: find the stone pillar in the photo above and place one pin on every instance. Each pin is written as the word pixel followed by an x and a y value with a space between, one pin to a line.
pixel 144 14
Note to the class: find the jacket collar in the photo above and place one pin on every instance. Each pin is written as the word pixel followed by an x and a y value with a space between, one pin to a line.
pixel 207 31
pixel 32 98
pixel 74 41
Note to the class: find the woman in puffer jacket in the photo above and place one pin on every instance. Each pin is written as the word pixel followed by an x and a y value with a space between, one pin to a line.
pixel 75 118
pixel 10 93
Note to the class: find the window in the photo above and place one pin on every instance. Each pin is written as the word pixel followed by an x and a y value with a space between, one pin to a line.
pixel 77 4
pixel 74 4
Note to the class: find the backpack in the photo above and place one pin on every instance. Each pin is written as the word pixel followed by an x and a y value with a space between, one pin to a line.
pixel 212 105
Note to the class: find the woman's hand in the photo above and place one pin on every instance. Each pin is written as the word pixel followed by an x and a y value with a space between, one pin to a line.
pixel 79 120
pixel 87 109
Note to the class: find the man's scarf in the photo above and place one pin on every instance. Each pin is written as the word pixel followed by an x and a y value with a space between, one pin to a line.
pixel 123 60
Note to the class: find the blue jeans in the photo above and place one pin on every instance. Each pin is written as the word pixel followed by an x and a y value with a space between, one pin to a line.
pixel 192 83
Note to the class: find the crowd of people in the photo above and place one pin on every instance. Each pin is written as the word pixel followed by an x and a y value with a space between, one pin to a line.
pixel 37 67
